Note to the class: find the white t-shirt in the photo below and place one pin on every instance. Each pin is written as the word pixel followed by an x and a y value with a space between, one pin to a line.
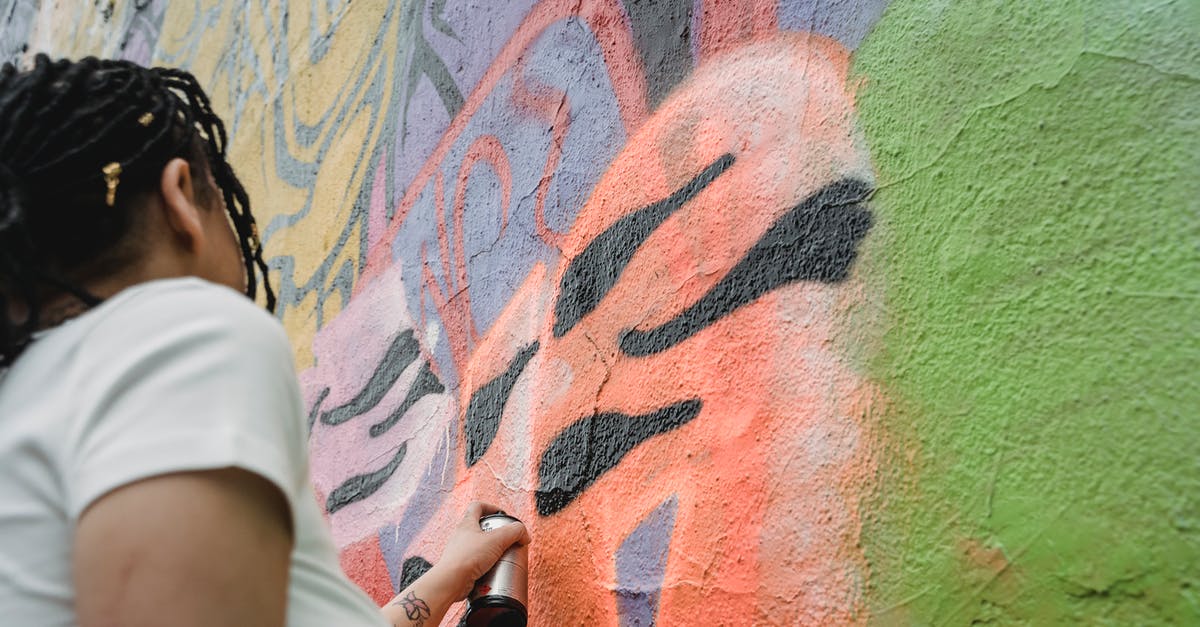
pixel 166 376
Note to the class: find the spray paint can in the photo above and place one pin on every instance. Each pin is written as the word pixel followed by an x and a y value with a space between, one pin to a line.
pixel 499 597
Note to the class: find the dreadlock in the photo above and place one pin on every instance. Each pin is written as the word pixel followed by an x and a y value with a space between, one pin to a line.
pixel 62 125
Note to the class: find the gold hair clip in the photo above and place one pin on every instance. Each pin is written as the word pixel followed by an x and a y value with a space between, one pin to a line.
pixel 146 119
pixel 255 242
pixel 112 176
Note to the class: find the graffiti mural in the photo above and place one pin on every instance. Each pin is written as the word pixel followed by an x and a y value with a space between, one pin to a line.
pixel 608 320
pixel 584 259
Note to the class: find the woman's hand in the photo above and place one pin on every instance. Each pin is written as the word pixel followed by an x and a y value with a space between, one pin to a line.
pixel 470 552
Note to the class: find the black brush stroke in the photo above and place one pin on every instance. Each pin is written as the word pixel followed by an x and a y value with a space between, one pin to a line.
pixel 593 272
pixel 482 419
pixel 662 32
pixel 425 384
pixel 360 487
pixel 592 446
pixel 316 408
pixel 816 241
pixel 412 569
pixel 402 352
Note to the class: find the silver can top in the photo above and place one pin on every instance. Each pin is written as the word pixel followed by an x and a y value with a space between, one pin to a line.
pixel 497 520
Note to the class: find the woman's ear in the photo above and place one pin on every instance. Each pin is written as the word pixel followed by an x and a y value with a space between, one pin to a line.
pixel 181 210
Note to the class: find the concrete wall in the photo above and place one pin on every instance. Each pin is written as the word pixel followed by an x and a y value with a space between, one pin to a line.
pixel 771 312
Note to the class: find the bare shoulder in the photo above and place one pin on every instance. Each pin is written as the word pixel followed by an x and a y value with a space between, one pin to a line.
pixel 187 546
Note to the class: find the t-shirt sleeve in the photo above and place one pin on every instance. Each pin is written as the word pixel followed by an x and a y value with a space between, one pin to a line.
pixel 192 377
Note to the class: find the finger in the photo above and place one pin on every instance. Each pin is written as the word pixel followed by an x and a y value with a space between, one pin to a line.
pixel 510 534
pixel 488 508
pixel 474 512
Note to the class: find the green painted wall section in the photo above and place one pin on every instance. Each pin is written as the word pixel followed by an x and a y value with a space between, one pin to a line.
pixel 1037 246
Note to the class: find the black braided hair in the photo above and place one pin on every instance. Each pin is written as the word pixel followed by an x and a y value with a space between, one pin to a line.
pixel 61 123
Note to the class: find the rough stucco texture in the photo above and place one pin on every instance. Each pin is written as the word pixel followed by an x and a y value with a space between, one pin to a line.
pixel 1037 245
pixel 758 312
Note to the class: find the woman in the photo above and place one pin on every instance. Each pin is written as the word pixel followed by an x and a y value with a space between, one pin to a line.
pixel 153 464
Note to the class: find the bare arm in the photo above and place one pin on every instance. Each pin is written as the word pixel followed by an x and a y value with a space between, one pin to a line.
pixel 470 552
pixel 190 549
pixel 424 602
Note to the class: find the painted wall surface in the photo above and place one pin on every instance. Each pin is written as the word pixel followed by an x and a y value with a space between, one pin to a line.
pixel 757 311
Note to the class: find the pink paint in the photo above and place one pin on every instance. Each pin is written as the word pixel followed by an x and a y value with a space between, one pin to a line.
pixel 347 352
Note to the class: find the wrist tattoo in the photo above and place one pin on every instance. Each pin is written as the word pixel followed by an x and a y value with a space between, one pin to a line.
pixel 415 608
